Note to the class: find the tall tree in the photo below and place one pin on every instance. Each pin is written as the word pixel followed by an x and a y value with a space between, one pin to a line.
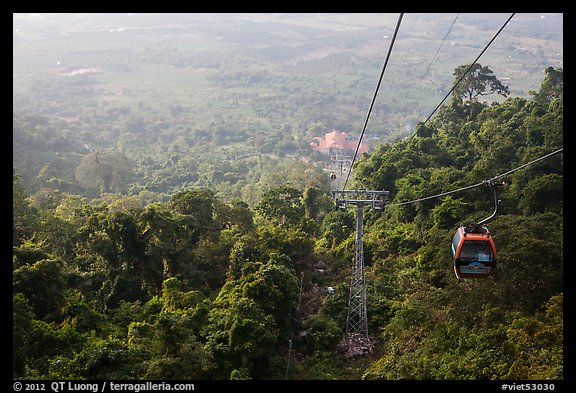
pixel 23 214
pixel 104 172
pixel 282 205
pixel 552 86
pixel 478 81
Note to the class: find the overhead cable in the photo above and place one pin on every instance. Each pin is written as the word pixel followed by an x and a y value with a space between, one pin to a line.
pixel 479 183
pixel 462 77
pixel 375 94
pixel 441 44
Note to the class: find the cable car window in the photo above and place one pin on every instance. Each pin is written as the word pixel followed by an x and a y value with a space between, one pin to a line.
pixel 456 241
pixel 476 250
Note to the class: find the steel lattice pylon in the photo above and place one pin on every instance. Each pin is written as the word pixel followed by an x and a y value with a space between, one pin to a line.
pixel 357 317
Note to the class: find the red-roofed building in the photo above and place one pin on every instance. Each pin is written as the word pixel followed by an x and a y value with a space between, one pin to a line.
pixel 334 141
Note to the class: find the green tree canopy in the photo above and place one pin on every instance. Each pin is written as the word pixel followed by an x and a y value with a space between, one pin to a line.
pixel 102 172
pixel 478 81
pixel 282 205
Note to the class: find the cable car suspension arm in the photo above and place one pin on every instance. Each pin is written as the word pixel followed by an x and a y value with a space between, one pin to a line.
pixel 497 201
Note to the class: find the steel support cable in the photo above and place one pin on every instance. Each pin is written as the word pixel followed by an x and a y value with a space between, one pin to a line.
pixel 525 165
pixel 478 184
pixel 441 44
pixel 462 77
pixel 374 98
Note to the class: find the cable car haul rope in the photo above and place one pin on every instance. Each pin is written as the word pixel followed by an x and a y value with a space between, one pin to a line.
pixel 473 249
pixel 484 182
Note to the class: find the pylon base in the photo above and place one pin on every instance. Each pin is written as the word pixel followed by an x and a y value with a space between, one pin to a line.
pixel 355 344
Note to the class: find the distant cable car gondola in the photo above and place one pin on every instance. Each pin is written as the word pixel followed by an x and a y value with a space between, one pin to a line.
pixel 473 249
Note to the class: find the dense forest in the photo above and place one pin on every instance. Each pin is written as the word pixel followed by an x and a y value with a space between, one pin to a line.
pixel 149 105
pixel 233 284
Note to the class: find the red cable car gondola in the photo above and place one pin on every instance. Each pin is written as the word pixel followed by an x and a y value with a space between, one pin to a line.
pixel 473 249
pixel 474 252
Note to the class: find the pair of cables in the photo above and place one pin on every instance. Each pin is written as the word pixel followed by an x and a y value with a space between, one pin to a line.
pixel 441 102
pixel 434 111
